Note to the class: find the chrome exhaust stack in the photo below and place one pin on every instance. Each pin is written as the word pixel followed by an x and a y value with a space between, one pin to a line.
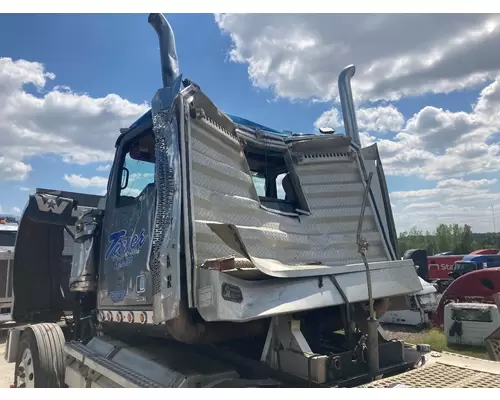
pixel 347 103
pixel 168 52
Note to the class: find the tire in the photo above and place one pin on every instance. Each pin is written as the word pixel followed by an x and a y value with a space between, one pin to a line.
pixel 40 361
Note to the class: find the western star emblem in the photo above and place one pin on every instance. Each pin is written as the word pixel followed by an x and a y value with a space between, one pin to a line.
pixel 50 205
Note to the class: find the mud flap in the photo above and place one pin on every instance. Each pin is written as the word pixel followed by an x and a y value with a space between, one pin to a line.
pixel 41 272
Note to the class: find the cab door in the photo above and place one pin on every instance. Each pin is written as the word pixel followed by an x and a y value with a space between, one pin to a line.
pixel 124 276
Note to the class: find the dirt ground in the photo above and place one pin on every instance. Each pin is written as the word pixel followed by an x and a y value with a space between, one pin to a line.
pixel 6 370
pixel 433 337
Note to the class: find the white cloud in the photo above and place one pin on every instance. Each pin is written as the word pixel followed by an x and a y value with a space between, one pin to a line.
pixel 80 128
pixel 24 189
pixel 433 204
pixel 138 176
pixel 103 168
pixel 299 56
pixel 131 192
pixel 11 169
pixel 450 201
pixel 459 183
pixel 98 184
pixel 83 182
pixel 330 118
pixel 380 119
pixel 16 210
pixel 436 144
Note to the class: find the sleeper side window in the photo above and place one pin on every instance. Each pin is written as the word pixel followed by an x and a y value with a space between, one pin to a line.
pixel 273 181
pixel 138 170
pixel 472 314
pixel 259 183
pixel 280 191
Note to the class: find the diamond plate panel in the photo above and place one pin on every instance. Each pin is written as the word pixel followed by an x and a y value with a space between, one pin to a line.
pixel 224 192
pixel 212 148
pixel 492 343
pixel 441 376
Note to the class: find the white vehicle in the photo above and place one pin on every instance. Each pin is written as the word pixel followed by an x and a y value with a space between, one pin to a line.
pixel 470 323
pixel 420 307
pixel 8 233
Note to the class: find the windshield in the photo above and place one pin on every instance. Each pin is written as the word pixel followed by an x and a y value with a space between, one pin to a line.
pixel 464 267
pixel 8 219
pixel 8 238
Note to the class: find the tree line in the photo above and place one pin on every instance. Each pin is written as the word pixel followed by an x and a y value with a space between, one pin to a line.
pixel 456 238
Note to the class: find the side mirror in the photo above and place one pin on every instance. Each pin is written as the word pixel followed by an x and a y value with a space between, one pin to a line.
pixel 125 175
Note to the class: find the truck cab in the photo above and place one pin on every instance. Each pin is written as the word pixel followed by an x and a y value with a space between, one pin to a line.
pixel 474 262
pixel 216 231
pixel 421 305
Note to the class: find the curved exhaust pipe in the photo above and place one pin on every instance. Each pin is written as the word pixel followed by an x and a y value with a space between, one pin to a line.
pixel 168 52
pixel 347 103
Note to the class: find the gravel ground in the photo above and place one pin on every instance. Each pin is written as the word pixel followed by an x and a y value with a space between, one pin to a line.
pixel 402 332
pixel 407 334
pixel 6 370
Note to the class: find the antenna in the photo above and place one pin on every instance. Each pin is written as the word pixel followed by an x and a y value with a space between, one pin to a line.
pixel 494 222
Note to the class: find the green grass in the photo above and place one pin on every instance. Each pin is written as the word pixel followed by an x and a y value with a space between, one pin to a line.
pixel 437 340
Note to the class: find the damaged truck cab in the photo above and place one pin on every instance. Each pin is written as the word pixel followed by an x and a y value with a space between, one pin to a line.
pixel 216 231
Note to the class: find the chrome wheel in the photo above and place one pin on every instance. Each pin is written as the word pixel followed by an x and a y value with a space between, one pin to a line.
pixel 26 371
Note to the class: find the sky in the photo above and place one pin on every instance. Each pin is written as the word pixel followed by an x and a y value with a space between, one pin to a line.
pixel 427 90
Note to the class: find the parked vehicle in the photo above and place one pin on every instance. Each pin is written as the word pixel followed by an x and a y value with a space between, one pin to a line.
pixel 8 232
pixel 475 287
pixel 421 305
pixel 433 269
pixel 441 270
pixel 441 266
pixel 484 252
pixel 472 263
pixel 470 323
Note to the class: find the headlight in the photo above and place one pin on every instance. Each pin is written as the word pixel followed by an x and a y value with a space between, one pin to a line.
pixel 428 301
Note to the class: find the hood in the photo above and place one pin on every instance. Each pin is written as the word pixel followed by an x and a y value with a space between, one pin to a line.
pixel 9 227
pixel 426 288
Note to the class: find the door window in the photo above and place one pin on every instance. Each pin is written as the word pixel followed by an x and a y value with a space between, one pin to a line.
pixel 138 169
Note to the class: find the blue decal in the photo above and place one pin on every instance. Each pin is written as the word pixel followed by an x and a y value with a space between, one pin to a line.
pixel 117 296
pixel 122 249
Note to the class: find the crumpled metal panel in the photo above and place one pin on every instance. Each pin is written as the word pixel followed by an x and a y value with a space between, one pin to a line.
pixel 292 249
pixel 211 206
pixel 261 299
pixel 223 192
pixel 165 257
